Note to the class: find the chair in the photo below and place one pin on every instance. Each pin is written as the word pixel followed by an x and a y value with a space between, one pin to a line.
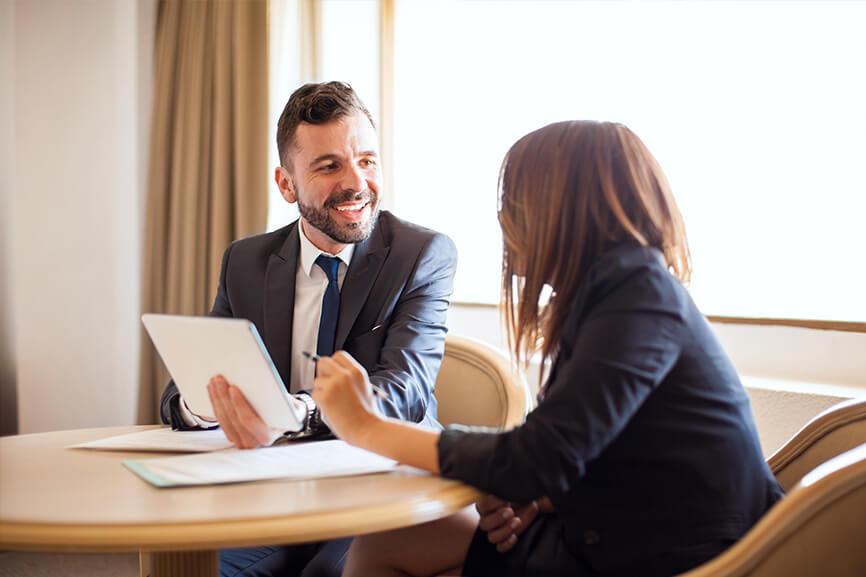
pixel 478 386
pixel 834 431
pixel 818 529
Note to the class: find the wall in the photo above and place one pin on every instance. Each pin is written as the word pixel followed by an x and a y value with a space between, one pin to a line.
pixel 81 71
pixel 790 374
pixel 8 397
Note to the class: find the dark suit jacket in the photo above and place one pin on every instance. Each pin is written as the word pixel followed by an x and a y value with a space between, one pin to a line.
pixel 643 440
pixel 393 307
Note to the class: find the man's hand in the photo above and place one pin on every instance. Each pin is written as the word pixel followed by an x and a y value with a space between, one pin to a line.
pixel 504 522
pixel 239 421
pixel 201 420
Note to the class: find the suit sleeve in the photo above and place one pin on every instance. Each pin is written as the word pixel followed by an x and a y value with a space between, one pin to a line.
pixel 169 406
pixel 413 348
pixel 616 361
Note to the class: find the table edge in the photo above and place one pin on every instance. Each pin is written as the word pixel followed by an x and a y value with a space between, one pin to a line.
pixel 191 536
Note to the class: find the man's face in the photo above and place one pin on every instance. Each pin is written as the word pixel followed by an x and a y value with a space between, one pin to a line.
pixel 335 179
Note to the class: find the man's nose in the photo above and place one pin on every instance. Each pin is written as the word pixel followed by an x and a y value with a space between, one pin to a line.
pixel 354 180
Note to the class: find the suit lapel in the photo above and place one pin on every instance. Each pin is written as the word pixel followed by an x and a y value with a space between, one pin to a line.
pixel 279 303
pixel 366 262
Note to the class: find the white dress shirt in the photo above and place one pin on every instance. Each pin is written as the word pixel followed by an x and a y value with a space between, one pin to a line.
pixel 310 285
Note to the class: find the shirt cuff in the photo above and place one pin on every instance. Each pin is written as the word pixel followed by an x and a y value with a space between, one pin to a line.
pixel 193 420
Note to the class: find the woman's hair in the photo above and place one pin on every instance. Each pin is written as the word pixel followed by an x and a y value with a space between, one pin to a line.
pixel 569 192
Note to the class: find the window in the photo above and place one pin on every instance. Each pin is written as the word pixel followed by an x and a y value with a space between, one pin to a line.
pixel 754 109
pixel 348 50
pixel 285 47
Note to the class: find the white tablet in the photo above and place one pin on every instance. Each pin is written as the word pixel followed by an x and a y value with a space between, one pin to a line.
pixel 194 349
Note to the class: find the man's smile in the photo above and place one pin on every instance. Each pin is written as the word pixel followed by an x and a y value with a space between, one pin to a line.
pixel 356 211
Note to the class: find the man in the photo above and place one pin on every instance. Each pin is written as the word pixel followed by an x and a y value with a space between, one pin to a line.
pixel 344 276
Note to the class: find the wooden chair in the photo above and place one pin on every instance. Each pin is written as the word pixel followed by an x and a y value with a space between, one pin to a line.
pixel 832 432
pixel 818 529
pixel 478 386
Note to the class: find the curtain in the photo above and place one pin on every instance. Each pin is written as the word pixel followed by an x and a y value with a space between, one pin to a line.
pixel 208 174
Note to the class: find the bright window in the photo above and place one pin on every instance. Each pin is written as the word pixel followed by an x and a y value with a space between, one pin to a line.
pixel 349 52
pixel 285 76
pixel 754 109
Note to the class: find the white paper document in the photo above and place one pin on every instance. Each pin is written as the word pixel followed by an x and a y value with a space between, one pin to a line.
pixel 309 460
pixel 162 439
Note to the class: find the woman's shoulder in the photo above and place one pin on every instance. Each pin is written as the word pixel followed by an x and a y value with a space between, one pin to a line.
pixel 634 277
pixel 625 285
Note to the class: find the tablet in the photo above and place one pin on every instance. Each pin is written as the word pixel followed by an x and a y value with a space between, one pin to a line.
pixel 194 349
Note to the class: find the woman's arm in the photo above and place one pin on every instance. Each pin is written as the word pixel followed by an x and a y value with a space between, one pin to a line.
pixel 405 442
pixel 342 390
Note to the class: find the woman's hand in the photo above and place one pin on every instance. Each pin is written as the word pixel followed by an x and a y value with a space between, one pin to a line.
pixel 342 391
pixel 504 522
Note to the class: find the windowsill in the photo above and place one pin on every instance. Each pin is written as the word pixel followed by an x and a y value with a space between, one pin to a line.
pixel 753 382
pixel 804 388
pixel 783 358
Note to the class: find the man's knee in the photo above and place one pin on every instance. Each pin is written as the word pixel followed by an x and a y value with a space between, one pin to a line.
pixel 276 561
pixel 329 560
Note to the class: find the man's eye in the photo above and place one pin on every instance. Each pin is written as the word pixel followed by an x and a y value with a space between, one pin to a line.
pixel 328 167
pixel 368 162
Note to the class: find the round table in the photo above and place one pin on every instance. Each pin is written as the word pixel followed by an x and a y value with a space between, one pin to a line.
pixel 57 499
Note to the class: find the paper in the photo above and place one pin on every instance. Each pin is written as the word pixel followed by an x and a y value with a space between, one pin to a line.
pixel 162 439
pixel 309 460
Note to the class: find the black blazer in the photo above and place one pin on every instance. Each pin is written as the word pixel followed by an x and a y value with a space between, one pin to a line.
pixel 643 437
pixel 393 307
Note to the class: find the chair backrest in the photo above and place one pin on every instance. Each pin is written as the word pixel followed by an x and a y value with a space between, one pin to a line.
pixel 819 528
pixel 832 432
pixel 478 386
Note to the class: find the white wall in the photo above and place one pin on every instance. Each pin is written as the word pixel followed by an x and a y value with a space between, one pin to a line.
pixel 790 374
pixel 81 109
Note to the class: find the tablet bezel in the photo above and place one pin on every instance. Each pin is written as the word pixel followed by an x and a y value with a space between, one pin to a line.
pixel 194 349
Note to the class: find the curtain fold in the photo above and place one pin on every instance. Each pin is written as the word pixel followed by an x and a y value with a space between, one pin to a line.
pixel 208 174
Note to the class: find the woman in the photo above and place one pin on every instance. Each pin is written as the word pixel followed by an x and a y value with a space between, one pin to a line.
pixel 641 457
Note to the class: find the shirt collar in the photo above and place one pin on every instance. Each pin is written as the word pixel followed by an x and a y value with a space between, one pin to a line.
pixel 309 252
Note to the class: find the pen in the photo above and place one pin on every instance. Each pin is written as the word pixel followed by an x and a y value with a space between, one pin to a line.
pixel 377 391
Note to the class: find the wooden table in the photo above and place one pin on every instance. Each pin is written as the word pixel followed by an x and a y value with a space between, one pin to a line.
pixel 58 499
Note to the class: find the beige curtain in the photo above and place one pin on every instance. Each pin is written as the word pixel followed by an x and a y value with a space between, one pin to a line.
pixel 208 158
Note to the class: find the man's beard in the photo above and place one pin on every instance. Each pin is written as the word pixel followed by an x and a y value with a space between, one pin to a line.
pixel 351 232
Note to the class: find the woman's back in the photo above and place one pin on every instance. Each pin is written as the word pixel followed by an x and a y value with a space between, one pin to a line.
pixel 674 470
pixel 643 439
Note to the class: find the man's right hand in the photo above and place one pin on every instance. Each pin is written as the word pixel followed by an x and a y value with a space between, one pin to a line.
pixel 504 522
pixel 240 423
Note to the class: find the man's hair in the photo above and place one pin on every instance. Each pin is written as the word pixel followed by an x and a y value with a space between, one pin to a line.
pixel 316 103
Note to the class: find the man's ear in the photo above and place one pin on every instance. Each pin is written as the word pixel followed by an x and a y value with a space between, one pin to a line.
pixel 285 184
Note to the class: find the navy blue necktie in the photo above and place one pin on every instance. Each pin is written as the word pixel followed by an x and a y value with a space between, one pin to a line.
pixel 330 306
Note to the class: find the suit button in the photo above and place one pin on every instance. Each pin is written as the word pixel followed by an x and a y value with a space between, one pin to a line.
pixel 591 537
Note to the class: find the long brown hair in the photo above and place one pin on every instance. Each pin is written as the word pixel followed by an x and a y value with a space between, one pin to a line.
pixel 568 192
